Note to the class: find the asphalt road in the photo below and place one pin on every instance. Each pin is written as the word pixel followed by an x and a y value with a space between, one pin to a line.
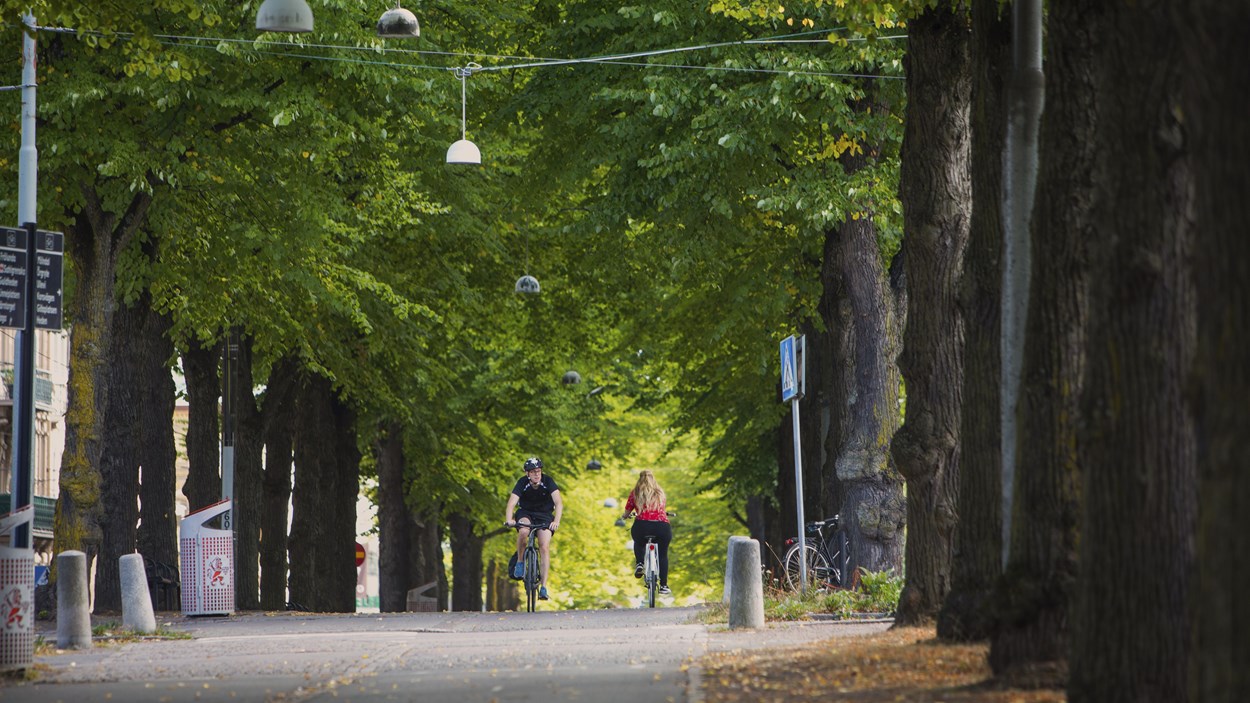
pixel 604 656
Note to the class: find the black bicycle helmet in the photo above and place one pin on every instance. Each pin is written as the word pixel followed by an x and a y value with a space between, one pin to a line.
pixel 533 463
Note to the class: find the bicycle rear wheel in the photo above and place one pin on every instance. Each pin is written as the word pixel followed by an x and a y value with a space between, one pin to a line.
pixel 532 578
pixel 818 570
pixel 653 577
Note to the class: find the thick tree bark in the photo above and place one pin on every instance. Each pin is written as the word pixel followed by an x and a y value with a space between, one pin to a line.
pixel 158 519
pixel 1131 634
pixel 249 447
pixel 278 408
pixel 1030 638
pixel 936 189
pixel 466 564
pixel 323 522
pixel 91 244
pixel 867 312
pixel 394 534
pixel 119 456
pixel 977 559
pixel 200 365
pixel 1217 66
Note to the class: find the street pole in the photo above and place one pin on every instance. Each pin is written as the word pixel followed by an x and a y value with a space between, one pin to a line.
pixel 229 360
pixel 798 495
pixel 24 340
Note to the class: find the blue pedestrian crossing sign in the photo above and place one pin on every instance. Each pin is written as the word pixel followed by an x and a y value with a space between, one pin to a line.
pixel 792 363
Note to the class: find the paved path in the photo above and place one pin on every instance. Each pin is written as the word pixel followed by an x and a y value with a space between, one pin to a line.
pixel 602 656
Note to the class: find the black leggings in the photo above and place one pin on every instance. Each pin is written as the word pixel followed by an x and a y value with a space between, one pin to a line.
pixel 663 534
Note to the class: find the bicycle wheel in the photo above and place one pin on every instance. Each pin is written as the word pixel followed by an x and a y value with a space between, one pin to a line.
pixel 818 570
pixel 532 578
pixel 653 577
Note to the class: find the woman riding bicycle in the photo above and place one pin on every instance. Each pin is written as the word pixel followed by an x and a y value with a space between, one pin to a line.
pixel 648 501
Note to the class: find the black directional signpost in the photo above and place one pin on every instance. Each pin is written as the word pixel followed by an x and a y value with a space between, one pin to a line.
pixel 13 277
pixel 49 272
pixel 28 295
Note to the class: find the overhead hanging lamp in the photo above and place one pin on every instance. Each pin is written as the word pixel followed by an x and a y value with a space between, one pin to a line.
pixel 284 16
pixel 398 23
pixel 464 151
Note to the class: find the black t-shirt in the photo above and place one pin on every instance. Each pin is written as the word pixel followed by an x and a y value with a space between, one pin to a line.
pixel 536 499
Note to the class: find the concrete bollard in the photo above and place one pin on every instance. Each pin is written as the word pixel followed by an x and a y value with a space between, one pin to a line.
pixel 137 615
pixel 729 563
pixel 746 604
pixel 73 602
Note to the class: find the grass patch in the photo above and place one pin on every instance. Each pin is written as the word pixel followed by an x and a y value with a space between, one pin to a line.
pixel 113 632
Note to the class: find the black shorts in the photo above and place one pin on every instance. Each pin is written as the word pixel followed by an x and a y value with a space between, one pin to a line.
pixel 535 518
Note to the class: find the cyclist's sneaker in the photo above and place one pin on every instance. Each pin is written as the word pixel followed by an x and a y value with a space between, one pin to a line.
pixel 638 571
pixel 518 571
pixel 542 593
pixel 664 591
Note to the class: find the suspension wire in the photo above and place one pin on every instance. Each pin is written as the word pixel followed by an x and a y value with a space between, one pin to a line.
pixel 192 41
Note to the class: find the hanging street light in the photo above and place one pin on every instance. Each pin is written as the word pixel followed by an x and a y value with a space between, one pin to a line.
pixel 464 151
pixel 284 16
pixel 527 284
pixel 398 23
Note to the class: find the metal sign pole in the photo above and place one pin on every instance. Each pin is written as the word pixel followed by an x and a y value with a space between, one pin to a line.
pixel 798 495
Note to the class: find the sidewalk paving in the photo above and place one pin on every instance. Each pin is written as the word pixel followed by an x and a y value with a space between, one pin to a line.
pixel 624 654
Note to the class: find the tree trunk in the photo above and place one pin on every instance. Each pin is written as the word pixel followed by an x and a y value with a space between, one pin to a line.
pixel 394 534
pixel 1131 634
pixel 345 492
pixel 91 245
pixel 200 369
pixel 977 559
pixel 119 456
pixel 936 191
pixel 1030 638
pixel 426 558
pixel 158 454
pixel 278 409
pixel 466 564
pixel 323 524
pixel 867 317
pixel 249 447
pixel 1218 66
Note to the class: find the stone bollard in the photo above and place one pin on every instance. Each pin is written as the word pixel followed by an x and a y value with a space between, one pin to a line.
pixel 73 603
pixel 729 565
pixel 137 614
pixel 746 603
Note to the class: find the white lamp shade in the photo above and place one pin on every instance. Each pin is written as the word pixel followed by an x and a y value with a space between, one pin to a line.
pixel 398 23
pixel 464 152
pixel 284 16
pixel 527 284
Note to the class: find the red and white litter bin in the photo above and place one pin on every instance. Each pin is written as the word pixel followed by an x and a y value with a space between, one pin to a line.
pixel 206 559
pixel 17 595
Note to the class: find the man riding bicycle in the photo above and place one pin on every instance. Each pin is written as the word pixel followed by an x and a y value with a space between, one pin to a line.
pixel 536 499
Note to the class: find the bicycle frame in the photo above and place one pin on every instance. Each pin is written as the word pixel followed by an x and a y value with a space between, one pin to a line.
pixel 825 563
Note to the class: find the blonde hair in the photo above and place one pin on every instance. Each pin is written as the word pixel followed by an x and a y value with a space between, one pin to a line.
pixel 647 493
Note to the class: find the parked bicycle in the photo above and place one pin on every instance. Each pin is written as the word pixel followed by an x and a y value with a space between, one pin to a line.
pixel 827 555
pixel 532 578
